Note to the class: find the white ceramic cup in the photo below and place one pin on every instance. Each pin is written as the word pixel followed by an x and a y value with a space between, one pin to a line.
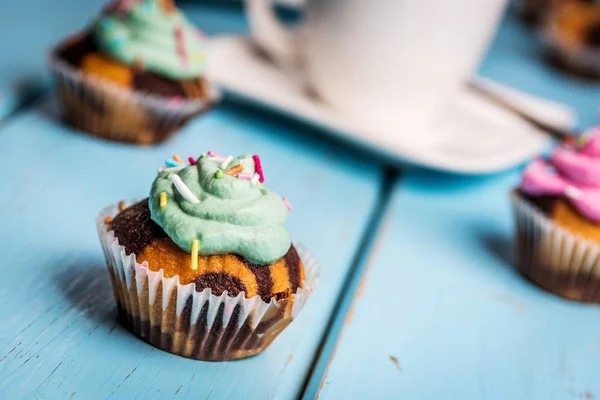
pixel 392 61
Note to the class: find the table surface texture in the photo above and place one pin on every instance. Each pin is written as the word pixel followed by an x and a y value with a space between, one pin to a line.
pixel 418 296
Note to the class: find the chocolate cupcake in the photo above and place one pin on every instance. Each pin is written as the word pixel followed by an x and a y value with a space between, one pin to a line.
pixel 136 75
pixel 557 211
pixel 204 267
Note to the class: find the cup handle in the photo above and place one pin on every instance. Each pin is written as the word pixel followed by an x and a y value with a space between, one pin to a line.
pixel 270 34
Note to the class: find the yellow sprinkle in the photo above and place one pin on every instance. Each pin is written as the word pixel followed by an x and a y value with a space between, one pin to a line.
pixel 163 199
pixel 195 249
pixel 178 159
pixel 121 205
pixel 198 57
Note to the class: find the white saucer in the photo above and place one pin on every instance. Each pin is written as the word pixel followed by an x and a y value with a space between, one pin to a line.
pixel 473 136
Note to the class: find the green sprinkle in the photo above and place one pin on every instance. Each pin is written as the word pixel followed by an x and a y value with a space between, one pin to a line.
pixel 203 155
pixel 169 175
pixel 582 140
pixel 219 174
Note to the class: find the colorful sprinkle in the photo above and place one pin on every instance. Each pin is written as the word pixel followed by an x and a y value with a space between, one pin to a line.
pixel 181 46
pixel 194 255
pixel 234 170
pixel 108 220
pixel 171 169
pixel 572 192
pixel 184 190
pixel 178 159
pixel 163 199
pixel 172 163
pixel 255 179
pixel 214 155
pixel 125 5
pixel 219 174
pixel 258 168
pixel 192 161
pixel 263 190
pixel 287 203
pixel 245 175
pixel 169 175
pixel 121 205
pixel 174 102
pixel 226 162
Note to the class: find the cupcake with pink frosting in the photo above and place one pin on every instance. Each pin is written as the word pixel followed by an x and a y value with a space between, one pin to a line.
pixel 557 211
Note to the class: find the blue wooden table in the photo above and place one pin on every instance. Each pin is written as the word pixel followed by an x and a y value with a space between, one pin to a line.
pixel 418 297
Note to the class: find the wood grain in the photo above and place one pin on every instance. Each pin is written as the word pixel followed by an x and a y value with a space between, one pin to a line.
pixel 444 314
pixel 59 338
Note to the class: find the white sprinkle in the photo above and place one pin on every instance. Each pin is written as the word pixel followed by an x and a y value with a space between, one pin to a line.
pixel 255 179
pixel 572 192
pixel 171 169
pixel 226 162
pixel 184 190
pixel 244 175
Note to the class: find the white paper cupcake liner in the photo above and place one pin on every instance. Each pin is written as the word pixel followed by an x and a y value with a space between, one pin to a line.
pixel 182 321
pixel 553 257
pixel 102 108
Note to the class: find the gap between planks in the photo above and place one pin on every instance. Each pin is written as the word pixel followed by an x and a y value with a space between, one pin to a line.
pixel 342 310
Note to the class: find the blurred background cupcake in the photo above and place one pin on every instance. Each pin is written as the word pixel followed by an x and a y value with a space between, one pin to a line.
pixel 557 211
pixel 135 75
pixel 570 30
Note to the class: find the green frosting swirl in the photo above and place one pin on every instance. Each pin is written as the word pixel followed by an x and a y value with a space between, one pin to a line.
pixel 233 215
pixel 166 42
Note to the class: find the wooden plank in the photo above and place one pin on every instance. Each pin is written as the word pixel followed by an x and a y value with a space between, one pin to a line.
pixel 29 28
pixel 59 338
pixel 442 314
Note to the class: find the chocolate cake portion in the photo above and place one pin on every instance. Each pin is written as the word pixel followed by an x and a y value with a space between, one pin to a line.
pixel 593 36
pixel 135 229
pixel 220 282
pixel 73 53
pixel 543 203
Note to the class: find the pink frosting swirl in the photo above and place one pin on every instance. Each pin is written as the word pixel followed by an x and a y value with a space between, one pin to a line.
pixel 572 172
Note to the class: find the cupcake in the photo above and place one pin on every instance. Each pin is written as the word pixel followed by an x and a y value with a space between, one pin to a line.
pixel 135 75
pixel 572 32
pixel 204 268
pixel 557 211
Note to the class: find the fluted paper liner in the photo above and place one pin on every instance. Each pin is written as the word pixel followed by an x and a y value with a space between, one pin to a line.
pixel 178 319
pixel 104 109
pixel 554 258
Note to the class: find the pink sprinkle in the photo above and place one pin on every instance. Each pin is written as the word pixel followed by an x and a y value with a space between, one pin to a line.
pixel 200 34
pixel 192 161
pixel 125 5
pixel 174 101
pixel 181 46
pixel 287 203
pixel 258 168
pixel 213 154
pixel 245 175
